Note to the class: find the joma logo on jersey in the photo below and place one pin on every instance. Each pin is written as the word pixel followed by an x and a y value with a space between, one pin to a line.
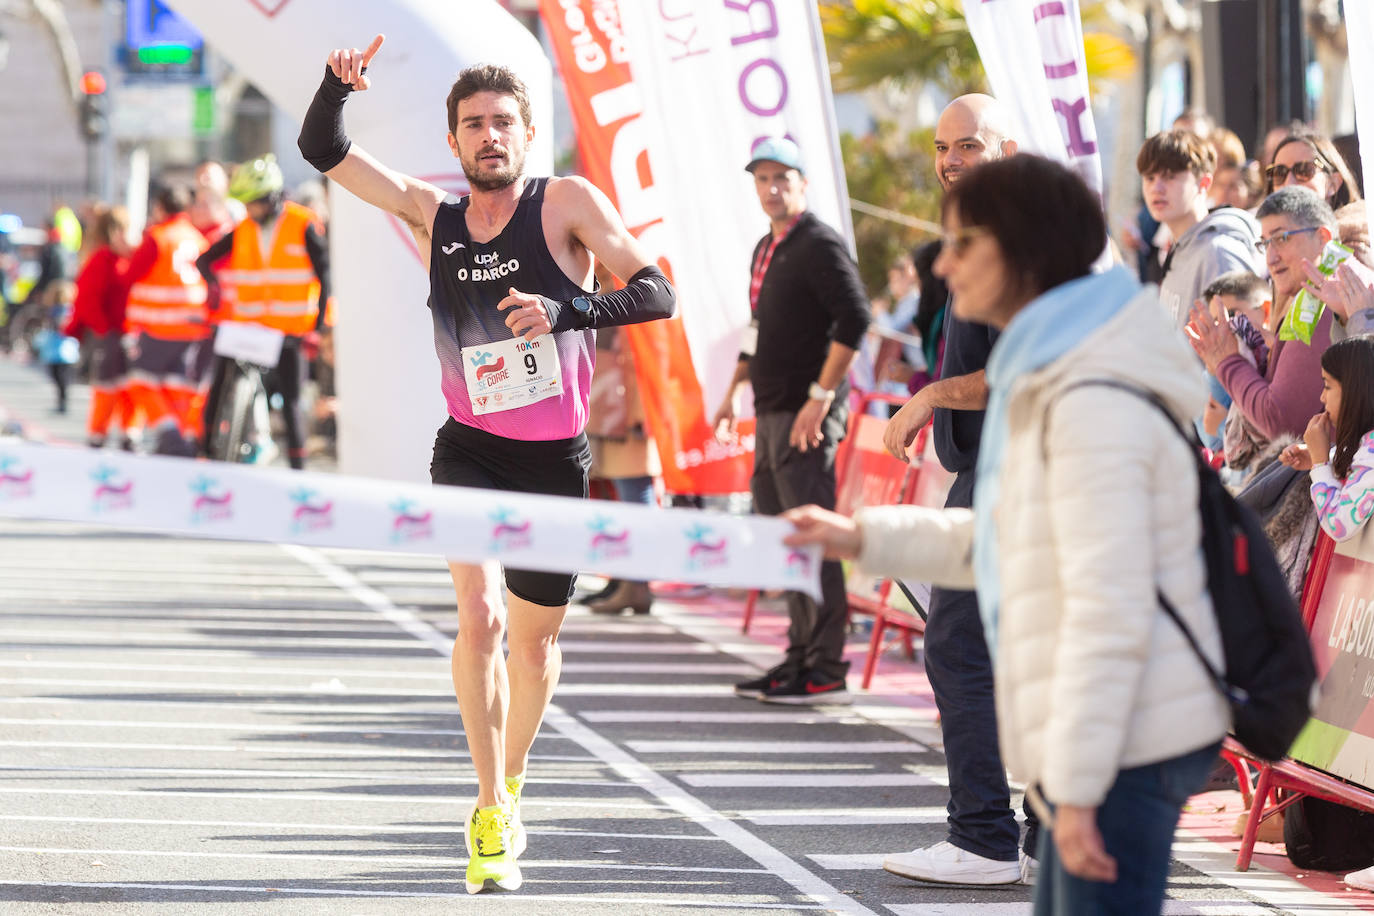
pixel 495 272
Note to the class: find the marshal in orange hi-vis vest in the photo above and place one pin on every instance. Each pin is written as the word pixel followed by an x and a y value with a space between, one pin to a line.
pixel 169 301
pixel 280 291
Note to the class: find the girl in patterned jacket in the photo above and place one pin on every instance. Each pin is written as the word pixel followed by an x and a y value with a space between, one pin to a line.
pixel 1343 475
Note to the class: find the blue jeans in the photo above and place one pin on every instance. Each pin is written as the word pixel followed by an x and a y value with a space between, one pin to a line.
pixel 1137 820
pixel 635 490
pixel 981 820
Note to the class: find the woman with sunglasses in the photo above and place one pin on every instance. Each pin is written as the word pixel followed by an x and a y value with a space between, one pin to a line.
pixel 1085 510
pixel 1310 159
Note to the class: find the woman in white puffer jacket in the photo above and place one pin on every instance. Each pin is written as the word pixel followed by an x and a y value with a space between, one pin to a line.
pixel 1085 507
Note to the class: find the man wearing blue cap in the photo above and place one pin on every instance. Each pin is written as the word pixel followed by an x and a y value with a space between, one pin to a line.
pixel 809 315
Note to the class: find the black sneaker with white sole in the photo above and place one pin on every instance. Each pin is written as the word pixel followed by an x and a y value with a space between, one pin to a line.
pixel 774 677
pixel 810 688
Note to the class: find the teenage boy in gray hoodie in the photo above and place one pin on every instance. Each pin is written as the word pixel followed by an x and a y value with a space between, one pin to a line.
pixel 1176 169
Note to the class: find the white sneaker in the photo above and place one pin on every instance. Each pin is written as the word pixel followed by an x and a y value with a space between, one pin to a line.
pixel 1363 879
pixel 1030 868
pixel 945 863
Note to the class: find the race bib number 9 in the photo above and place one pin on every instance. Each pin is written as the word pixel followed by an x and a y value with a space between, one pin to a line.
pixel 512 373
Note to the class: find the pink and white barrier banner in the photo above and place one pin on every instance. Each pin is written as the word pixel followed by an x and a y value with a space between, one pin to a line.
pixel 204 500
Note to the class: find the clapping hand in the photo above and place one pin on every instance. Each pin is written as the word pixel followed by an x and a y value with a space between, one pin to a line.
pixel 1348 290
pixel 1210 334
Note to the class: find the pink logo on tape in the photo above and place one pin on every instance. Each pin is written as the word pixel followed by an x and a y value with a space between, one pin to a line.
pixel 212 502
pixel 607 543
pixel 706 550
pixel 410 524
pixel 798 564
pixel 16 480
pixel 509 531
pixel 312 512
pixel 113 491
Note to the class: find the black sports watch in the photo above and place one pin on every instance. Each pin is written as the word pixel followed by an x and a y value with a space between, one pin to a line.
pixel 582 312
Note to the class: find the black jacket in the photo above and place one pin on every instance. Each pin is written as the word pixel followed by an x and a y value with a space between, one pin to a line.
pixel 810 296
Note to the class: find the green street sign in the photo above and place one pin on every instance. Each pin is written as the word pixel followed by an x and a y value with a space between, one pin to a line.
pixel 203 111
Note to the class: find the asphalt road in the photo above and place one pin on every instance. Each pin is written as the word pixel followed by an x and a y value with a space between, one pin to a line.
pixel 205 727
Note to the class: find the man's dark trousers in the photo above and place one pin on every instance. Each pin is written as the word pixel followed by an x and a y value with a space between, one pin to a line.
pixel 785 478
pixel 960 674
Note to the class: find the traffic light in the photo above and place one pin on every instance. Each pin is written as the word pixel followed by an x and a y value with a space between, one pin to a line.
pixel 95 119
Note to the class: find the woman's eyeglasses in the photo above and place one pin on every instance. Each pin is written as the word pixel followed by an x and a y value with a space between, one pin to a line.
pixel 1303 171
pixel 956 243
pixel 1281 238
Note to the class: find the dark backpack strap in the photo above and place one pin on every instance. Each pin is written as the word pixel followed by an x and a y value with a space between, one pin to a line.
pixel 1194 449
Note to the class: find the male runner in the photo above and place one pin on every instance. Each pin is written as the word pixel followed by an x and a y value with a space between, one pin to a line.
pixel 509 268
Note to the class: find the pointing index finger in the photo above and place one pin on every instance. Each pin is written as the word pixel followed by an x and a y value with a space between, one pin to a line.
pixel 372 49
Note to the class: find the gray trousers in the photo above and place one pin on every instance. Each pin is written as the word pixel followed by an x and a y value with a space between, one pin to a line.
pixel 785 478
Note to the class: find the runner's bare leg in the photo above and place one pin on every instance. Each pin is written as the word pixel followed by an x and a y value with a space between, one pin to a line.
pixel 479 674
pixel 533 666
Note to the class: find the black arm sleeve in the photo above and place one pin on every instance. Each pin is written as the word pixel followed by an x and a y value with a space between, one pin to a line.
pixel 323 142
pixel 317 250
pixel 215 252
pixel 647 297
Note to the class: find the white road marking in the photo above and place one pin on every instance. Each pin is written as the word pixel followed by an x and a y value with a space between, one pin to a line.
pixel 1171 908
pixel 326 775
pixel 777 747
pixel 287 727
pixel 506 900
pixel 444 677
pixel 283 750
pixel 619 689
pixel 351 798
pixel 802 780
pixel 829 817
pixel 1218 862
pixel 743 717
pixel 338 828
pixel 774 861
pixel 437 861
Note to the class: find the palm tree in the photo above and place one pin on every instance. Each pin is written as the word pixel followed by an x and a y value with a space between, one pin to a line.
pixel 907 42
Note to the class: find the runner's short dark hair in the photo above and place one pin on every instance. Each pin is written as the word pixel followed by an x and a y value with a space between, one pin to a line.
pixel 1242 284
pixel 487 78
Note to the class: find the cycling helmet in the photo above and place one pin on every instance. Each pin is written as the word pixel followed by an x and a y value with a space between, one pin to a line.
pixel 256 179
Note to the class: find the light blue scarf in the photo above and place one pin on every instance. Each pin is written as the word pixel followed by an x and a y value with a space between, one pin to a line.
pixel 1050 326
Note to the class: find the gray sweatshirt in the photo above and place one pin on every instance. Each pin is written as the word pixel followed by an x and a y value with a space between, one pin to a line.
pixel 1223 241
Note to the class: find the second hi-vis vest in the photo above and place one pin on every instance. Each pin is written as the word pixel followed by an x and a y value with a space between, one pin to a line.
pixel 169 301
pixel 281 292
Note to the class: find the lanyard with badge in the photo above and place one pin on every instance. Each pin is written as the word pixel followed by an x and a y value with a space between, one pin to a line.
pixel 749 341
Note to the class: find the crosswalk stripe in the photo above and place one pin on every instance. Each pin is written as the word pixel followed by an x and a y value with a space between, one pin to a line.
pixel 830 817
pixel 524 897
pixel 440 861
pixel 803 780
pixel 776 747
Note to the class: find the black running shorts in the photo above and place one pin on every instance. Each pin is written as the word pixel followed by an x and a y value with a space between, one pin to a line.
pixel 468 457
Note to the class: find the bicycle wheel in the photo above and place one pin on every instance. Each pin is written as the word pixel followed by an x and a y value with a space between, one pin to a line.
pixel 243 397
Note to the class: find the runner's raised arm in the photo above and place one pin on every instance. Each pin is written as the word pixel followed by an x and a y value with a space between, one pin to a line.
pixel 325 145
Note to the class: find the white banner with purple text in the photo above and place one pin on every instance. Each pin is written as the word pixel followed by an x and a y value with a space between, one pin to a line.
pixel 1032 51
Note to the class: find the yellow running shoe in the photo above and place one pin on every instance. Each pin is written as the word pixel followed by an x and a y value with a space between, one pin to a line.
pixel 488 837
pixel 514 784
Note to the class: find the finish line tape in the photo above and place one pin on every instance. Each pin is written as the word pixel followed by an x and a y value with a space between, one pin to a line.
pixel 522 530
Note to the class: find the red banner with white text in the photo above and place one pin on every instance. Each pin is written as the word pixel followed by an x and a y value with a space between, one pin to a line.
pixel 668 101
